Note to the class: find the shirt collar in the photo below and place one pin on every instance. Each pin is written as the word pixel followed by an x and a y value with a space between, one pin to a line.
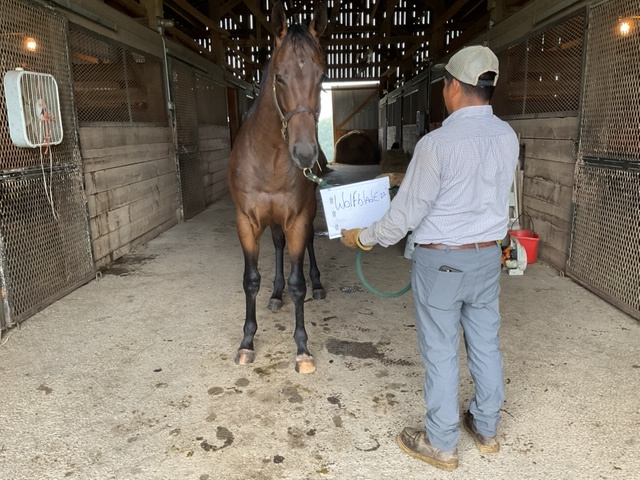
pixel 472 111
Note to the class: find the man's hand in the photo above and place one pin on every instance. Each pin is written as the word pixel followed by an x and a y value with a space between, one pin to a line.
pixel 351 240
pixel 350 237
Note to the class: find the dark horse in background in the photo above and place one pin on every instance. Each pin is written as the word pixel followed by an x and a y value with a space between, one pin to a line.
pixel 277 141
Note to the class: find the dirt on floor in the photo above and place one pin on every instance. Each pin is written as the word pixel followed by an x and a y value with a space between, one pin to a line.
pixel 132 376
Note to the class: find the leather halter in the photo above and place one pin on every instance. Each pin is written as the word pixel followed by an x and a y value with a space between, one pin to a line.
pixel 286 118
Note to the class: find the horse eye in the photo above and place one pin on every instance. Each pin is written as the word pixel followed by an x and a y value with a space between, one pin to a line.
pixel 279 79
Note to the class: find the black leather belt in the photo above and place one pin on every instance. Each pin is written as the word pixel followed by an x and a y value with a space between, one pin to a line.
pixel 442 246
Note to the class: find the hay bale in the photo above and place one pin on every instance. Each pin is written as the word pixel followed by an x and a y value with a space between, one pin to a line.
pixel 356 148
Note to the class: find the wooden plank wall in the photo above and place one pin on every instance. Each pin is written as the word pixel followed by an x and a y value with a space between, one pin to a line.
pixel 131 186
pixel 549 165
pixel 215 148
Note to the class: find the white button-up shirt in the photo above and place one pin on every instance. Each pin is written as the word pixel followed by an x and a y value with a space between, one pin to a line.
pixel 456 188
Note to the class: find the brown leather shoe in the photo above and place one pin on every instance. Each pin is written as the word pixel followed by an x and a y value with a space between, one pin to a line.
pixel 484 444
pixel 415 443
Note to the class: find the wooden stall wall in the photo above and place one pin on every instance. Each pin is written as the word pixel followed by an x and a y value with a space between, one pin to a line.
pixel 131 186
pixel 549 165
pixel 215 148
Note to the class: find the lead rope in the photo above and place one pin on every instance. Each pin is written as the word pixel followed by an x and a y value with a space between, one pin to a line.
pixel 324 184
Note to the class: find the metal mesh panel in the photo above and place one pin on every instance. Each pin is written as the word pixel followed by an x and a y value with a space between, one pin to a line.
pixel 113 83
pixel 554 68
pixel 605 245
pixel 191 179
pixel 542 74
pixel 508 98
pixel 43 254
pixel 611 112
pixel 605 252
pixel 18 22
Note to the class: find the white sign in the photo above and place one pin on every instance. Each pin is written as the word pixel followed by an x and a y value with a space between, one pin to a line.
pixel 355 205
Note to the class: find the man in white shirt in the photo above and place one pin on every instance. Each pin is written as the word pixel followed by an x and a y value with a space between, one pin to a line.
pixel 454 197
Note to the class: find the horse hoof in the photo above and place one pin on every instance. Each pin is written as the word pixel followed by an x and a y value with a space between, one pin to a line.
pixel 305 364
pixel 245 356
pixel 275 304
pixel 319 294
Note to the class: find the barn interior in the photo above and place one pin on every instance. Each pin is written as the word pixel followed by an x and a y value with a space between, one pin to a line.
pixel 121 273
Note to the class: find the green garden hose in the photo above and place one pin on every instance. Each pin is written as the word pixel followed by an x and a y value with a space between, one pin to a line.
pixel 373 290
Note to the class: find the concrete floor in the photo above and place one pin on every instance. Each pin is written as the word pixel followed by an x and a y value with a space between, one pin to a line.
pixel 132 376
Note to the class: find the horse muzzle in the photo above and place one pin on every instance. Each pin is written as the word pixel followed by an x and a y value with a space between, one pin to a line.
pixel 304 154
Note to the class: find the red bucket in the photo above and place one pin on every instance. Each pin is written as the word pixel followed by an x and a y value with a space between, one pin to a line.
pixel 529 241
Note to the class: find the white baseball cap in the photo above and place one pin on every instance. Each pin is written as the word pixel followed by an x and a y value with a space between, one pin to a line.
pixel 469 63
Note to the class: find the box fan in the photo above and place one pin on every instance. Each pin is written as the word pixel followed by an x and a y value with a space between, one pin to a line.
pixel 33 108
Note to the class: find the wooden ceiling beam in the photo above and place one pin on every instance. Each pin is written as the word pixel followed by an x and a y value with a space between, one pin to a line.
pixel 229 5
pixel 388 20
pixel 258 15
pixel 153 12
pixel 374 8
pixel 132 6
pixel 333 18
pixel 188 41
pixel 453 9
pixel 329 42
pixel 190 10
pixel 470 33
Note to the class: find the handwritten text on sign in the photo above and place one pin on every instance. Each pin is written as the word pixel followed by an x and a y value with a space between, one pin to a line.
pixel 355 205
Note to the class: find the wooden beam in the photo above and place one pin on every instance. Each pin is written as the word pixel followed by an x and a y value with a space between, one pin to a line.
pixel 329 42
pixel 189 42
pixel 333 19
pixel 229 5
pixel 469 33
pixel 388 21
pixel 453 9
pixel 133 6
pixel 153 11
pixel 374 9
pixel 496 9
pixel 258 15
pixel 217 48
pixel 196 14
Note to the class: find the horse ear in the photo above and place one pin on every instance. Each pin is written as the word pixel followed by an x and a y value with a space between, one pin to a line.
pixel 319 21
pixel 279 22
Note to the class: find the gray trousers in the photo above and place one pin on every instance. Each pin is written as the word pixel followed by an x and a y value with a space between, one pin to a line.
pixel 467 296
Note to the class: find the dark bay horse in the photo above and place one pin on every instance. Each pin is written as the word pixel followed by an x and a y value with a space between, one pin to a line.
pixel 277 141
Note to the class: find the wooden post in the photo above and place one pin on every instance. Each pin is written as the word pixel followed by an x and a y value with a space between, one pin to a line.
pixel 217 47
pixel 437 39
pixel 496 10
pixel 154 12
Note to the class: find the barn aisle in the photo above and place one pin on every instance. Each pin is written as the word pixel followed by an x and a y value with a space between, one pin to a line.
pixel 132 376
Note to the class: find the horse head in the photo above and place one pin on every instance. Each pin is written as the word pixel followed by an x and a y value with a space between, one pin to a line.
pixel 296 74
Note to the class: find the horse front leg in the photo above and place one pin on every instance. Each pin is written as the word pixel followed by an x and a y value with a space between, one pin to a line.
pixel 298 290
pixel 251 284
pixel 275 302
pixel 318 291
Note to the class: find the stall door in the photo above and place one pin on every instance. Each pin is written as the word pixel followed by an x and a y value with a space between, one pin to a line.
pixel 183 83
pixel 605 244
pixel 45 249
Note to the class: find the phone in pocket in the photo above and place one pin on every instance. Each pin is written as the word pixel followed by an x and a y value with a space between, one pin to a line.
pixel 445 268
